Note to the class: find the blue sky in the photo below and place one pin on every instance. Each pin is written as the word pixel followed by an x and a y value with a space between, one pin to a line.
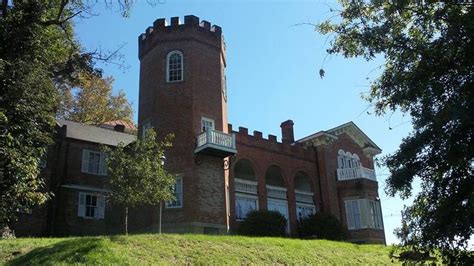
pixel 273 60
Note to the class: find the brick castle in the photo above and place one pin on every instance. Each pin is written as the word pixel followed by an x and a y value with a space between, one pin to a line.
pixel 222 172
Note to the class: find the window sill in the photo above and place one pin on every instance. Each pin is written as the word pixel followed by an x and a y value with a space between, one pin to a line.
pixel 90 218
pixel 174 207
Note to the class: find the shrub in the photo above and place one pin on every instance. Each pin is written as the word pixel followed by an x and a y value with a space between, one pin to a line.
pixel 322 226
pixel 263 223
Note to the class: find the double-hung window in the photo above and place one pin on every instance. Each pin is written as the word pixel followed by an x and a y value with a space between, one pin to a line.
pixel 363 213
pixel 207 124
pixel 94 162
pixel 174 66
pixel 353 214
pixel 304 211
pixel 375 214
pixel 178 193
pixel 244 204
pixel 91 205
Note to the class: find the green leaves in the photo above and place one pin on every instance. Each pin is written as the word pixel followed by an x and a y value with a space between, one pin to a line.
pixel 93 102
pixel 428 73
pixel 137 174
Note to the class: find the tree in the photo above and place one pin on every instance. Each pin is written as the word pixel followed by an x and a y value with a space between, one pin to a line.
pixel 30 57
pixel 428 73
pixel 92 102
pixel 38 58
pixel 137 175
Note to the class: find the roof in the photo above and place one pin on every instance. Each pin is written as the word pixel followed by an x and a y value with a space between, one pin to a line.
pixel 349 128
pixel 130 127
pixel 95 134
pixel 336 131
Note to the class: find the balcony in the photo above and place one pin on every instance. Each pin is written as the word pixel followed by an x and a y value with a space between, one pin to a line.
pixel 216 143
pixel 356 173
pixel 245 186
pixel 304 196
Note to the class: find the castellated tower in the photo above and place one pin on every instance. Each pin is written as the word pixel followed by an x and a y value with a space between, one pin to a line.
pixel 183 92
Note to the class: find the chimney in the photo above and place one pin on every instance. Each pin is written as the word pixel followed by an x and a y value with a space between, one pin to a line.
pixel 287 134
pixel 119 128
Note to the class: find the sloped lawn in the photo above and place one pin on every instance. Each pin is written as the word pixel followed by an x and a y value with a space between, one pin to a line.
pixel 186 249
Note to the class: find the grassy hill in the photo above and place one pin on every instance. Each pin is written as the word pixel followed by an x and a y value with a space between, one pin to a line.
pixel 186 249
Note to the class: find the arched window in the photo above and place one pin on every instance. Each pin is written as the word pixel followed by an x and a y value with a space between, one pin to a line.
pixel 245 182
pixel 347 160
pixel 357 160
pixel 174 66
pixel 340 159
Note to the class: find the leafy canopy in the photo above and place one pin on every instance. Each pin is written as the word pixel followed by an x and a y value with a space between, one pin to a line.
pixel 39 57
pixel 428 72
pixel 31 57
pixel 92 102
pixel 136 171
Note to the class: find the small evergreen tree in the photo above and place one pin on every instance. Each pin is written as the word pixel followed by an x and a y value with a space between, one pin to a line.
pixel 137 175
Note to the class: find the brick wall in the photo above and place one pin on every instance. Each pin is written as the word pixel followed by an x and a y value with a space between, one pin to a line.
pixel 265 152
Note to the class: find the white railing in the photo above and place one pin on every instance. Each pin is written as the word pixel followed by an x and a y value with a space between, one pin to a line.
pixel 355 173
pixel 245 186
pixel 217 138
pixel 276 192
pixel 304 196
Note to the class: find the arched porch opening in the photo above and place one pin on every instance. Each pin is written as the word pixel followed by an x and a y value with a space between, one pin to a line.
pixel 245 182
pixel 304 195
pixel 277 192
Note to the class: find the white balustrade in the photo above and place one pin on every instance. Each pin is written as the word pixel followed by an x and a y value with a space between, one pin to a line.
pixel 276 192
pixel 216 138
pixel 245 186
pixel 355 173
pixel 304 196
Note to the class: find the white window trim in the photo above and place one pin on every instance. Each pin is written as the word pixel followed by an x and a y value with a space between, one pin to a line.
pixel 347 160
pixel 168 66
pixel 350 215
pixel 304 205
pixel 248 196
pixel 102 162
pixel 168 204
pixel 365 216
pixel 207 120
pixel 287 209
pixel 100 208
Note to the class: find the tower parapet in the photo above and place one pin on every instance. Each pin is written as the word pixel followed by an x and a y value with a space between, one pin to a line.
pixel 192 28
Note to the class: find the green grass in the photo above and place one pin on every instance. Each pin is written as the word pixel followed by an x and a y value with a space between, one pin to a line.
pixel 186 249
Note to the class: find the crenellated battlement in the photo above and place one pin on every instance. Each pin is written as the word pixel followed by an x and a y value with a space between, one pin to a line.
pixel 191 28
pixel 271 143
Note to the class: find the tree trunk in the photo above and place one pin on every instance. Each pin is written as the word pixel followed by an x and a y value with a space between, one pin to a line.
pixel 161 212
pixel 126 221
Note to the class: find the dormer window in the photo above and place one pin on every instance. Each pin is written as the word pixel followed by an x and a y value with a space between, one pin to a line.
pixel 174 66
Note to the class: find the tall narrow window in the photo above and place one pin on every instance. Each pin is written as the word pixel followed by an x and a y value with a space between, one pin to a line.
pixel 353 214
pixel 178 193
pixel 145 127
pixel 174 66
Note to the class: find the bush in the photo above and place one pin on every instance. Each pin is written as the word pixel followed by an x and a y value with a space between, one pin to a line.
pixel 322 226
pixel 263 223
